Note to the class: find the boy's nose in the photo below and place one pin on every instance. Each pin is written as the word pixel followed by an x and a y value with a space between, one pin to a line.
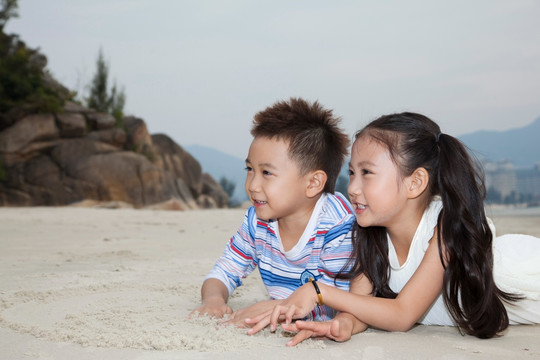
pixel 252 184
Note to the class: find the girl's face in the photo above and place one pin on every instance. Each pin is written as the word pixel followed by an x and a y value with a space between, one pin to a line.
pixel 375 188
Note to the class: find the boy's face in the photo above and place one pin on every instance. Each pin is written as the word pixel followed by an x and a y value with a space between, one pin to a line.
pixel 274 184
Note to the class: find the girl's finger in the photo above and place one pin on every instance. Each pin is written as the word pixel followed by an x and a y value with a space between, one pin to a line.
pixel 301 336
pixel 258 318
pixel 274 318
pixel 261 324
pixel 290 314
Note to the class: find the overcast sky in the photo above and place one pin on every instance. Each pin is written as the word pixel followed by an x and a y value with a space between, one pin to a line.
pixel 199 70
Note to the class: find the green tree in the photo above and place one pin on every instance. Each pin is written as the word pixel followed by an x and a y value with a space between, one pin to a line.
pixel 7 11
pixel 342 184
pixel 227 185
pixel 100 99
pixel 25 85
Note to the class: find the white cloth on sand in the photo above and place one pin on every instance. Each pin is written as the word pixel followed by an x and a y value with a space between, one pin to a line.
pixel 516 269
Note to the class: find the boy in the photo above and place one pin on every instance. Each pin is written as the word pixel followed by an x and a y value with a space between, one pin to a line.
pixel 297 229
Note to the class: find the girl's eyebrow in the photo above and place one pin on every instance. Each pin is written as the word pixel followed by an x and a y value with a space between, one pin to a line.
pixel 363 163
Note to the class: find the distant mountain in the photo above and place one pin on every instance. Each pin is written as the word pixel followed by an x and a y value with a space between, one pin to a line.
pixel 521 146
pixel 219 164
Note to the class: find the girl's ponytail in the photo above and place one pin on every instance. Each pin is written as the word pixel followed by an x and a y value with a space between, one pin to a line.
pixel 465 243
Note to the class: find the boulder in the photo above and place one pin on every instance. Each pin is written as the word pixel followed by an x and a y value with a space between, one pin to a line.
pixel 71 124
pixel 73 107
pixel 137 133
pixel 185 193
pixel 123 176
pixel 206 202
pixel 68 152
pixel 174 159
pixel 52 159
pixel 115 137
pixel 23 132
pixel 213 189
pixel 100 121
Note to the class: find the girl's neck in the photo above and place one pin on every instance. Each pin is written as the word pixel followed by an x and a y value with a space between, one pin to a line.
pixel 402 231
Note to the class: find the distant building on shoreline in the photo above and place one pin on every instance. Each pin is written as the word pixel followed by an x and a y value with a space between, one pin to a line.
pixel 507 184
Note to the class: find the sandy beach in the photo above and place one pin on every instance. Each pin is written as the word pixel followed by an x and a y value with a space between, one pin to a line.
pixel 94 283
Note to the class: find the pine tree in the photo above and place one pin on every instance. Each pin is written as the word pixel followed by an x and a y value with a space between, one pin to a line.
pixel 8 10
pixel 99 98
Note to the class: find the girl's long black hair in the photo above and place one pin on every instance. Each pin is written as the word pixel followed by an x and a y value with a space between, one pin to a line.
pixel 464 237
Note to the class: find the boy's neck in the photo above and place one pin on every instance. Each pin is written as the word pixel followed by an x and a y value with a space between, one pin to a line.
pixel 292 228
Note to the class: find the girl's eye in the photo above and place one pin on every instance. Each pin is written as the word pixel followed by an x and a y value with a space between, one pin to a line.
pixel 266 173
pixel 366 172
pixel 351 173
pixel 248 169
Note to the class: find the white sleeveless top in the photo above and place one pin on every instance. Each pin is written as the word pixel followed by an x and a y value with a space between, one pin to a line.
pixel 516 269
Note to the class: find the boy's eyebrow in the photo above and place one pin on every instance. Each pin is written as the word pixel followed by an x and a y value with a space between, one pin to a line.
pixel 268 165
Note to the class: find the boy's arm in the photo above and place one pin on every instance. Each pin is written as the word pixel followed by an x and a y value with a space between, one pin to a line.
pixel 236 262
pixel 214 295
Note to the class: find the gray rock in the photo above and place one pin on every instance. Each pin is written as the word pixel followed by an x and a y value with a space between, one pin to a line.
pixel 115 137
pixel 101 121
pixel 23 132
pixel 71 124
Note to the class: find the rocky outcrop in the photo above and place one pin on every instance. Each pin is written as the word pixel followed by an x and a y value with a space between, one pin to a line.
pixel 80 154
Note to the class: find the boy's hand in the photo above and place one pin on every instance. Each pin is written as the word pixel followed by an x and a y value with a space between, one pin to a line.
pixel 214 308
pixel 238 318
pixel 214 296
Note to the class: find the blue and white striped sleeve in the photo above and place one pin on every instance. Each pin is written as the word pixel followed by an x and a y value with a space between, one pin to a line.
pixel 239 257
pixel 335 253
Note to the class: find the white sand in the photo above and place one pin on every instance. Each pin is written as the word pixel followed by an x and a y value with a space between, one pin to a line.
pixel 79 283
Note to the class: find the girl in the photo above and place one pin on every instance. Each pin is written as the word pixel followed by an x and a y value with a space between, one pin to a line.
pixel 423 246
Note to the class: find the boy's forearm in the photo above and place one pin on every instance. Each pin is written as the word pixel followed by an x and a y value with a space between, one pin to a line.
pixel 214 290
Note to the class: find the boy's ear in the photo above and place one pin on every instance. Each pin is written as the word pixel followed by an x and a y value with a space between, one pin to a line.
pixel 316 182
pixel 417 183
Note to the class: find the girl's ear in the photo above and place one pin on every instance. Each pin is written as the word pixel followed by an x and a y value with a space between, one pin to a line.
pixel 417 183
pixel 316 182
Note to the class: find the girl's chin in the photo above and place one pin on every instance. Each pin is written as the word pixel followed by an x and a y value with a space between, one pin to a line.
pixel 364 223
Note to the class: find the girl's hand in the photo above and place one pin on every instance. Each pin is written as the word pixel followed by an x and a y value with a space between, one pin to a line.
pixel 334 330
pixel 238 318
pixel 296 306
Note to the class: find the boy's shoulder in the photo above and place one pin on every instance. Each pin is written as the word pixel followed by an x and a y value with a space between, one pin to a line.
pixel 336 207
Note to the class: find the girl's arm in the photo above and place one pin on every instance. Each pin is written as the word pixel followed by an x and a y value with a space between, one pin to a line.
pixel 341 328
pixel 398 314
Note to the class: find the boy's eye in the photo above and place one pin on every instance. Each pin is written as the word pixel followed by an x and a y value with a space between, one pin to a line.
pixel 248 169
pixel 266 173
pixel 351 173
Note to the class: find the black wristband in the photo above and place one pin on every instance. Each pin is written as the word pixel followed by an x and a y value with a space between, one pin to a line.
pixel 319 296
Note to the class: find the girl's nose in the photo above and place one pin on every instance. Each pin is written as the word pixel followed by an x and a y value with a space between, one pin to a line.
pixel 354 189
